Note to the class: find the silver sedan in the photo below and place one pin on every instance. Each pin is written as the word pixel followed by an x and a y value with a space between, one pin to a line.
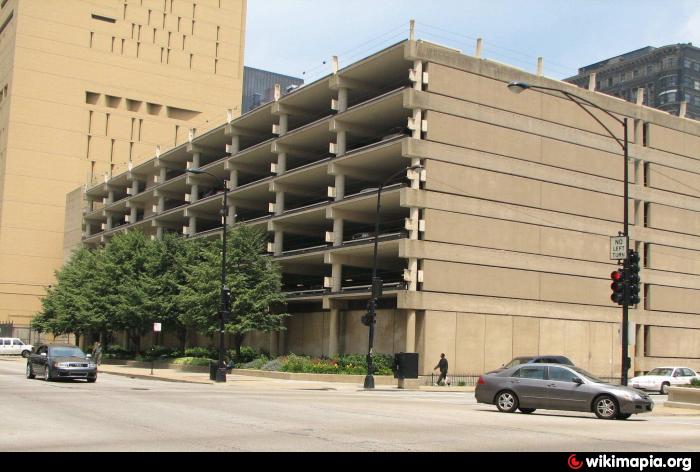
pixel 558 387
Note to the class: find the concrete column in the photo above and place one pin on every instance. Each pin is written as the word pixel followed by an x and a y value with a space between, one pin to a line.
pixel 233 179
pixel 109 221
pixel 235 144
pixel 283 125
pixel 161 204
pixel 193 225
pixel 410 331
pixel 281 163
pixel 683 109
pixel 418 121
pixel 540 66
pixel 338 231
pixel 110 197
pixel 339 187
pixel 278 242
pixel 340 143
pixel 195 160
pixel 134 214
pixel 336 277
pixel 194 192
pixel 88 229
pixel 159 232
pixel 418 71
pixel 342 99
pixel 279 202
pixel 231 214
pixel 479 48
pixel 333 332
pixel 163 175
pixel 413 268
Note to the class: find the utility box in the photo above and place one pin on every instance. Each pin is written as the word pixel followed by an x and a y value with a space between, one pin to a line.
pixel 406 365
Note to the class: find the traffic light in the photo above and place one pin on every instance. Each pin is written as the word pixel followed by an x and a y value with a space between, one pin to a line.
pixel 633 279
pixel 368 318
pixel 617 286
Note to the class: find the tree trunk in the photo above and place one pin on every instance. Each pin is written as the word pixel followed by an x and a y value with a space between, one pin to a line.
pixel 77 339
pixel 182 337
pixel 237 342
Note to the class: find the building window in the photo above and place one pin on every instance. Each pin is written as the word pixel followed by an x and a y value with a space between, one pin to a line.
pixel 636 73
pixel 687 63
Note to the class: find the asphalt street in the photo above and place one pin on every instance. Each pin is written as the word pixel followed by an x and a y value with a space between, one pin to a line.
pixel 125 414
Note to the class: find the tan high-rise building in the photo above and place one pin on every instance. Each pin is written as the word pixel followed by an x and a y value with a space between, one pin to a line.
pixel 87 87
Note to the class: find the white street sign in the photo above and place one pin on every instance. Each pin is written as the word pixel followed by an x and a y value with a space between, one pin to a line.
pixel 156 327
pixel 618 247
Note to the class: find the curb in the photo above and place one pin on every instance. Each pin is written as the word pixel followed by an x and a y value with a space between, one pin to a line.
pixel 154 377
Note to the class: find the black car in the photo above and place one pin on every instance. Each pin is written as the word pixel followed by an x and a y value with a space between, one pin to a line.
pixel 533 360
pixel 61 361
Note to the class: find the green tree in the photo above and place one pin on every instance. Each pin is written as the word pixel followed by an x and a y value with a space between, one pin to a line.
pixel 73 304
pixel 254 279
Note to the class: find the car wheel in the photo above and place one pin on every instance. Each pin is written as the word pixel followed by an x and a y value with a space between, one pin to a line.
pixel 47 374
pixel 30 371
pixel 605 407
pixel 527 411
pixel 623 416
pixel 25 354
pixel 664 388
pixel 92 380
pixel 507 401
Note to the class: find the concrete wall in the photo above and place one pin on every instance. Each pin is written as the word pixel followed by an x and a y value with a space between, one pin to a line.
pixel 475 343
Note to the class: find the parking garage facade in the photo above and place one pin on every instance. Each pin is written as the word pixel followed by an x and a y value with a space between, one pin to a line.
pixel 497 248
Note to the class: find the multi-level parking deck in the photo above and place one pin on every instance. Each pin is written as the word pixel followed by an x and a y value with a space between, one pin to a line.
pixel 497 248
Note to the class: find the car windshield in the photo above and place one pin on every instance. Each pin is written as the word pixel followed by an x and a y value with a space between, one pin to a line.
pixel 66 351
pixel 587 375
pixel 517 361
pixel 660 371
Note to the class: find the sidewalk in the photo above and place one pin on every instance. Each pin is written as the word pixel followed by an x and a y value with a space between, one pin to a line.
pixel 239 375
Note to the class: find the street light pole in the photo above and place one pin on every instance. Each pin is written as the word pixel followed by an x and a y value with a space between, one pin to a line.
pixel 370 318
pixel 224 312
pixel 518 87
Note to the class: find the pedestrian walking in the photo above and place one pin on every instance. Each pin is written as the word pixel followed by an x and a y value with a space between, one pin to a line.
pixel 442 365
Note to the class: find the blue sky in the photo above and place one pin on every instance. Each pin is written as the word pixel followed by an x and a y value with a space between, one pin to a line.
pixel 296 36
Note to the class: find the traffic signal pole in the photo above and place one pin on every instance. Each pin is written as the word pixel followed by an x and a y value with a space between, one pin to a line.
pixel 626 285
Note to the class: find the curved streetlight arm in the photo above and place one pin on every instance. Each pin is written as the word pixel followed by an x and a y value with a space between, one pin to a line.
pixel 520 86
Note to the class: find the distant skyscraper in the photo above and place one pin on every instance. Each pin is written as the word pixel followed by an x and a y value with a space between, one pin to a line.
pixel 259 86
pixel 669 75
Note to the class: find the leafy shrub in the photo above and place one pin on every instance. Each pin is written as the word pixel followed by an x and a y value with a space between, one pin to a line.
pixel 160 352
pixel 208 352
pixel 256 363
pixel 351 364
pixel 248 354
pixel 695 382
pixel 115 351
pixel 194 361
pixel 461 383
pixel 274 365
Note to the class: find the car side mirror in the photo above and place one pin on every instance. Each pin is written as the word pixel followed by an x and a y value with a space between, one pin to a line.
pixel 43 354
pixel 88 356
pixel 578 381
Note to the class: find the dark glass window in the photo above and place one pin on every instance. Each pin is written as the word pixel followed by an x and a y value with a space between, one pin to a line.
pixel 531 372
pixel 561 375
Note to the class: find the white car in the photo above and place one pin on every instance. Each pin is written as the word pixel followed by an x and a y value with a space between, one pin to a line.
pixel 661 378
pixel 15 346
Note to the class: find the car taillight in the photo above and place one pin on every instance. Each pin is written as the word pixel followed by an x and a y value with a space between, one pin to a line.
pixel 481 380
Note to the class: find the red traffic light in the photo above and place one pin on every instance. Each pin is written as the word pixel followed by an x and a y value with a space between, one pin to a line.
pixel 616 275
